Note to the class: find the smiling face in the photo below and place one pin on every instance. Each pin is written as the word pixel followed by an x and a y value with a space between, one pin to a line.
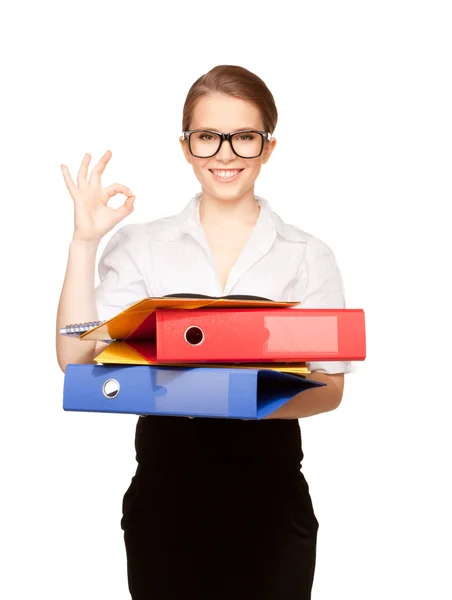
pixel 220 112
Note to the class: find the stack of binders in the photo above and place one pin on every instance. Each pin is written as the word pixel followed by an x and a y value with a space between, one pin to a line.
pixel 200 356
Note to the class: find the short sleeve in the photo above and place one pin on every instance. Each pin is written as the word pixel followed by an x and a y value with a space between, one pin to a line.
pixel 324 289
pixel 121 279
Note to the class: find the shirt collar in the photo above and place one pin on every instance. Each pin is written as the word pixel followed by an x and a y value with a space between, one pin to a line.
pixel 188 220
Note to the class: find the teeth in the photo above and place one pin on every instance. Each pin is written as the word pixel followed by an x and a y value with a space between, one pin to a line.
pixel 225 174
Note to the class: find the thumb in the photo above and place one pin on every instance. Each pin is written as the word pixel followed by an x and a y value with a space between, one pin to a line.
pixel 126 209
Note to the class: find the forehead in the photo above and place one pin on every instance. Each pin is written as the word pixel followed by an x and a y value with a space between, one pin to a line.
pixel 225 113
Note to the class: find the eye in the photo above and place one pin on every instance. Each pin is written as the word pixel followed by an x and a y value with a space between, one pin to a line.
pixel 246 137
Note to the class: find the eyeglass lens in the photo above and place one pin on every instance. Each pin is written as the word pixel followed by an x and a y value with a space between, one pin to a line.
pixel 205 143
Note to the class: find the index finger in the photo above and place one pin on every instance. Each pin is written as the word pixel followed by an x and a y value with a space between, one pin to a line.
pixel 99 168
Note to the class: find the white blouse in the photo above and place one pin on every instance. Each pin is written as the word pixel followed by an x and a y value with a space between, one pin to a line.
pixel 171 255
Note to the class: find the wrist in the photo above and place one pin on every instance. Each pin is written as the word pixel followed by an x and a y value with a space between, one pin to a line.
pixel 83 248
pixel 82 243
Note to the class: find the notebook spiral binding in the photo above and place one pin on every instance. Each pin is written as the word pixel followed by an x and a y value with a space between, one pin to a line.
pixel 78 328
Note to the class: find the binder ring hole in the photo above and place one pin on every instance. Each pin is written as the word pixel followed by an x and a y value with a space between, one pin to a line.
pixel 194 336
pixel 110 389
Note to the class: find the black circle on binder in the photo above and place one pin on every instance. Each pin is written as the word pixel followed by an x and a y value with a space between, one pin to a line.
pixel 110 389
pixel 194 336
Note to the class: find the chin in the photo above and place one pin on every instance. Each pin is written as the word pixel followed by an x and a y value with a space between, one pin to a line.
pixel 222 194
pixel 225 190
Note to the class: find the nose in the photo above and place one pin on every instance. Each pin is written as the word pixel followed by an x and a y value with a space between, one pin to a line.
pixel 226 153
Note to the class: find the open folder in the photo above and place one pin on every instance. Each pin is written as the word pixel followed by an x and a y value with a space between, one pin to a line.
pixel 125 323
pixel 200 392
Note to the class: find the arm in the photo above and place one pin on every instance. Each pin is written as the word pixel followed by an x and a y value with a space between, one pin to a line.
pixel 121 284
pixel 92 220
pixel 77 304
pixel 323 288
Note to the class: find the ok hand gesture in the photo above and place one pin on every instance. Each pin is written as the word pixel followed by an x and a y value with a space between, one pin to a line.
pixel 92 217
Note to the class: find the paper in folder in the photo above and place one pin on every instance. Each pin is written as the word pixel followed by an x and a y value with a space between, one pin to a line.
pixel 149 333
pixel 199 391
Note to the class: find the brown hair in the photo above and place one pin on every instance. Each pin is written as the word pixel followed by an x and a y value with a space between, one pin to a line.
pixel 235 81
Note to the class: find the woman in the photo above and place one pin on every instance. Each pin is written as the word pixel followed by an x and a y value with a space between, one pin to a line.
pixel 218 508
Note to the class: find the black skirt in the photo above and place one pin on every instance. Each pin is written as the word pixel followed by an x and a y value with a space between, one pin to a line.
pixel 219 509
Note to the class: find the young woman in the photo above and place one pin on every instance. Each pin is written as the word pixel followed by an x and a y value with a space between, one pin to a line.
pixel 217 508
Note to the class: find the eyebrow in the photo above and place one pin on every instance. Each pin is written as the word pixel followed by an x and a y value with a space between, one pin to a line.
pixel 240 129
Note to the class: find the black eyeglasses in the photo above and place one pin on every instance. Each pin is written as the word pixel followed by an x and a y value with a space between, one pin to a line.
pixel 204 143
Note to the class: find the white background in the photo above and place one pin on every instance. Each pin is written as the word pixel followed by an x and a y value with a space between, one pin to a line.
pixel 363 91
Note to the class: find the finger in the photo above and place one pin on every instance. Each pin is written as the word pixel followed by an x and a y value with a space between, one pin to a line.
pixel 125 209
pixel 129 203
pixel 69 181
pixel 117 188
pixel 99 168
pixel 83 171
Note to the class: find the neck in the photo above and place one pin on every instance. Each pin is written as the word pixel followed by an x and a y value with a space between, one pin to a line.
pixel 239 211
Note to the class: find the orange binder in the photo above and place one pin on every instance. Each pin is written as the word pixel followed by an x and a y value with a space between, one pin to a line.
pixel 119 352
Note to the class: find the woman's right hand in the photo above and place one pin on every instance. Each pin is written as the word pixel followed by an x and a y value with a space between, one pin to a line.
pixel 92 217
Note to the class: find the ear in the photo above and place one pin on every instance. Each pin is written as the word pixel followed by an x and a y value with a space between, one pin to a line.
pixel 184 144
pixel 268 149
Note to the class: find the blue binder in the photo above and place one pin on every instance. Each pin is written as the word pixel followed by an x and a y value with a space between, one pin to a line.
pixel 179 391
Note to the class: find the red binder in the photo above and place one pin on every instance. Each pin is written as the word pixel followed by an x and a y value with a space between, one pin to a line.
pixel 250 335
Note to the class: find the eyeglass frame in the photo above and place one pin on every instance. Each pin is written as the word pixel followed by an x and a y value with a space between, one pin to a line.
pixel 227 137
